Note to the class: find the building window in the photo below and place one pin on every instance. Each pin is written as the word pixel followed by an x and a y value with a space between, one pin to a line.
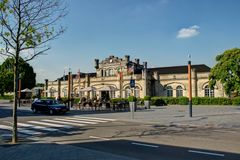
pixel 64 92
pixel 179 91
pixel 127 92
pixel 111 73
pixel 112 94
pixel 169 91
pixel 208 92
pixel 137 92
pixel 106 73
pixel 52 91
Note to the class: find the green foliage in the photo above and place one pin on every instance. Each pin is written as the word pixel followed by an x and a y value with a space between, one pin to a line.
pixel 28 77
pixel 183 100
pixel 116 100
pixel 147 98
pixel 158 101
pixel 236 101
pixel 211 101
pixel 132 99
pixel 227 71
pixel 8 97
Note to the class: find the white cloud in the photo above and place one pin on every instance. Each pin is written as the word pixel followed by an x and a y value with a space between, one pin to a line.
pixel 188 32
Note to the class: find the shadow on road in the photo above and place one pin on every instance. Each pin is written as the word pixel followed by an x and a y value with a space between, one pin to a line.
pixel 151 151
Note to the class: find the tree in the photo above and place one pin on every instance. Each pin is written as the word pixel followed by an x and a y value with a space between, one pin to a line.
pixel 227 71
pixel 26 28
pixel 28 77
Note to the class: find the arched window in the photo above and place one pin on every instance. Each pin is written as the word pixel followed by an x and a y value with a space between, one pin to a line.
pixel 208 92
pixel 107 73
pixel 137 92
pixel 111 73
pixel 64 92
pixel 127 92
pixel 169 91
pixel 52 91
pixel 179 91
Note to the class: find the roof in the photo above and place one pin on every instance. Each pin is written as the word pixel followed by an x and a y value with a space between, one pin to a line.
pixel 180 69
pixel 82 75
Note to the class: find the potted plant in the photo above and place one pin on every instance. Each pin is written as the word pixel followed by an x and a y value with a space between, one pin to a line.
pixel 132 103
pixel 147 100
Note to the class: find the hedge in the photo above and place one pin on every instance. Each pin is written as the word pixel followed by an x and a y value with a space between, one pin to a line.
pixel 160 101
pixel 7 97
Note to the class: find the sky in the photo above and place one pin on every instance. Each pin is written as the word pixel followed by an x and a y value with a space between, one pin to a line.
pixel 161 32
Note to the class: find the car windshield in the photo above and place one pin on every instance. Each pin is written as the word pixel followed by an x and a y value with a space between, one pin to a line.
pixel 52 102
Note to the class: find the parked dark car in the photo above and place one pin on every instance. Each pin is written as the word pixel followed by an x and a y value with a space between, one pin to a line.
pixel 48 106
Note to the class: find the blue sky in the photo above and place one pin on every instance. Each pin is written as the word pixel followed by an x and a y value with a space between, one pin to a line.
pixel 161 32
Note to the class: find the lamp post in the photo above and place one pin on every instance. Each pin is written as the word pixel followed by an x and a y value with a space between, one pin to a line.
pixel 69 87
pixel 190 86
pixel 19 90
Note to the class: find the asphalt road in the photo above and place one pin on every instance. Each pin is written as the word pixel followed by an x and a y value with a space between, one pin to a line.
pixel 127 138
pixel 146 151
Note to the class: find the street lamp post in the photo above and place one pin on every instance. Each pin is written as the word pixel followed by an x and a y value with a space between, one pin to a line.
pixel 19 90
pixel 190 88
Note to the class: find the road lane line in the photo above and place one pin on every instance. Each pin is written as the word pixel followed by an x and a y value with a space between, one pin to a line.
pixel 146 145
pixel 207 153
pixel 106 139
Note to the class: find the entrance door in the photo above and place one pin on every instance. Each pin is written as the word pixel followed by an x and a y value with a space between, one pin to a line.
pixel 105 95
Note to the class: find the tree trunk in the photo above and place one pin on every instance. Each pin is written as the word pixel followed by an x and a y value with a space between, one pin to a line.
pixel 14 131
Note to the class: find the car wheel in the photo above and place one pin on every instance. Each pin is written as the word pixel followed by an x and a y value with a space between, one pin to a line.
pixel 34 110
pixel 51 112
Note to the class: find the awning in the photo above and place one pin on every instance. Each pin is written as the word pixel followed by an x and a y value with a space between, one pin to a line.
pixel 108 88
pixel 87 89
pixel 26 90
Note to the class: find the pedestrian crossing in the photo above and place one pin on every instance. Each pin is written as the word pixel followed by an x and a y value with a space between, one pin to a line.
pixel 62 125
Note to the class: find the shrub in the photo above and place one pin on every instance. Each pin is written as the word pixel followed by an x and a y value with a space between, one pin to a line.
pixel 158 101
pixel 132 99
pixel 182 100
pixel 116 100
pixel 236 101
pixel 7 97
pixel 140 101
pixel 147 98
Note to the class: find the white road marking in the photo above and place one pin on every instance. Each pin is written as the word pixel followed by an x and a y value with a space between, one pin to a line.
pixel 30 132
pixel 50 124
pixel 107 119
pixel 5 127
pixel 84 119
pixel 207 153
pixel 20 130
pixel 146 145
pixel 63 122
pixel 76 121
pixel 37 127
pixel 106 139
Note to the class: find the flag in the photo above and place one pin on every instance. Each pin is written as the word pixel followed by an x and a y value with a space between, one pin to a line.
pixel 119 71
pixel 131 70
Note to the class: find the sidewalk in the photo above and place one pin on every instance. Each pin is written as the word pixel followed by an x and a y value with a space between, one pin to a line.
pixel 44 151
pixel 215 116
